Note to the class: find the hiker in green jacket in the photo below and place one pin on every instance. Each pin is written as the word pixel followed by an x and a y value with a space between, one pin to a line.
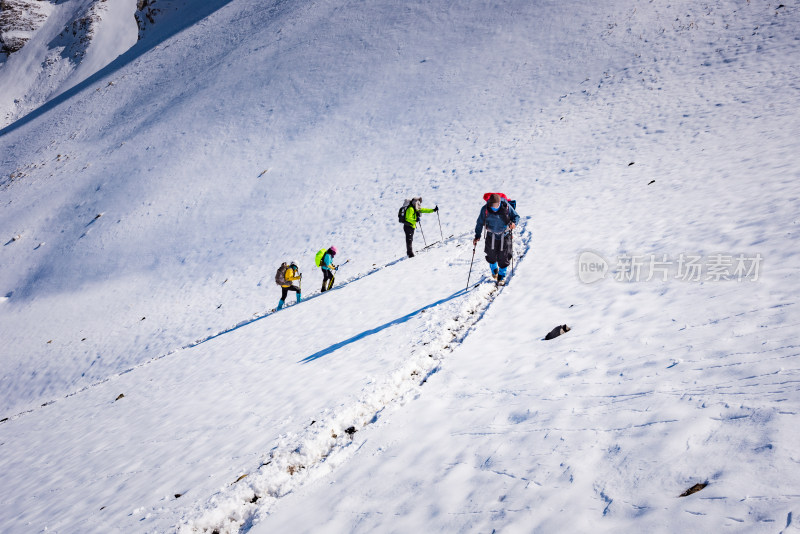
pixel 412 216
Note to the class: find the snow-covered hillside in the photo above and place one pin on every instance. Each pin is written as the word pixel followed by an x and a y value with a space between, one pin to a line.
pixel 56 45
pixel 346 125
pixel 146 386
pixel 19 20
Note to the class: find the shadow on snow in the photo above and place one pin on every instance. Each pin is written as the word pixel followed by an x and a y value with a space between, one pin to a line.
pixel 336 346
pixel 315 295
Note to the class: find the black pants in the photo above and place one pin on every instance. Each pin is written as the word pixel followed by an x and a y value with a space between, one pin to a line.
pixel 498 249
pixel 409 230
pixel 285 291
pixel 327 274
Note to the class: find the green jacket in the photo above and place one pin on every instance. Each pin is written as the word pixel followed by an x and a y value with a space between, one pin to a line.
pixel 412 217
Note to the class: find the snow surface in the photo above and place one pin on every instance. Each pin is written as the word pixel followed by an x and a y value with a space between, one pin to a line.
pixel 144 215
pixel 77 39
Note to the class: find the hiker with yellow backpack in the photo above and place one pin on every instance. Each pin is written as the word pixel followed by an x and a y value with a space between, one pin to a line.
pixel 285 277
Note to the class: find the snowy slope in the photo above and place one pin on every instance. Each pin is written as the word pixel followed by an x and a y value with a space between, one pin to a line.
pixel 148 236
pixel 19 20
pixel 338 123
pixel 261 383
pixel 660 385
pixel 68 43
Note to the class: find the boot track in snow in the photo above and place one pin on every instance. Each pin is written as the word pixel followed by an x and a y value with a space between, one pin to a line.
pixel 332 439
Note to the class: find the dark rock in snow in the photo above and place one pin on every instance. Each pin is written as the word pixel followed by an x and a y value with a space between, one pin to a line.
pixel 77 35
pixel 694 489
pixel 146 13
pixel 292 469
pixel 557 331
pixel 19 20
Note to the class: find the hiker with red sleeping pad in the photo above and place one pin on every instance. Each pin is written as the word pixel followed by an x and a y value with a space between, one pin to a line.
pixel 497 220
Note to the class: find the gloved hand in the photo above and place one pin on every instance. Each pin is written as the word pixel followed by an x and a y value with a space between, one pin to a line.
pixel 436 208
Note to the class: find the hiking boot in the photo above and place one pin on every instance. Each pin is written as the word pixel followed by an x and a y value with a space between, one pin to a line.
pixel 501 280
pixel 495 270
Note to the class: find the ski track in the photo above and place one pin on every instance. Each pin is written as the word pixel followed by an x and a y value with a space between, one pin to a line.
pixel 325 444
pixel 257 317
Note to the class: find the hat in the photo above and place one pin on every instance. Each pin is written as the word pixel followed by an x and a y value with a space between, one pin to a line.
pixel 494 198
pixel 333 249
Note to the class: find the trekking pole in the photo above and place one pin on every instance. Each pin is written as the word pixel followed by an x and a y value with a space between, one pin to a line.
pixel 333 275
pixel 423 233
pixel 440 225
pixel 512 252
pixel 474 246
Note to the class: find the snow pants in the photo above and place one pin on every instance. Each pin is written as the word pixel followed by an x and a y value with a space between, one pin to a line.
pixel 498 249
pixel 409 230
pixel 285 290
pixel 327 279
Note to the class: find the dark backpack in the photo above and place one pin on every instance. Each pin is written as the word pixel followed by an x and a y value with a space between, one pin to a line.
pixel 401 213
pixel 280 276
